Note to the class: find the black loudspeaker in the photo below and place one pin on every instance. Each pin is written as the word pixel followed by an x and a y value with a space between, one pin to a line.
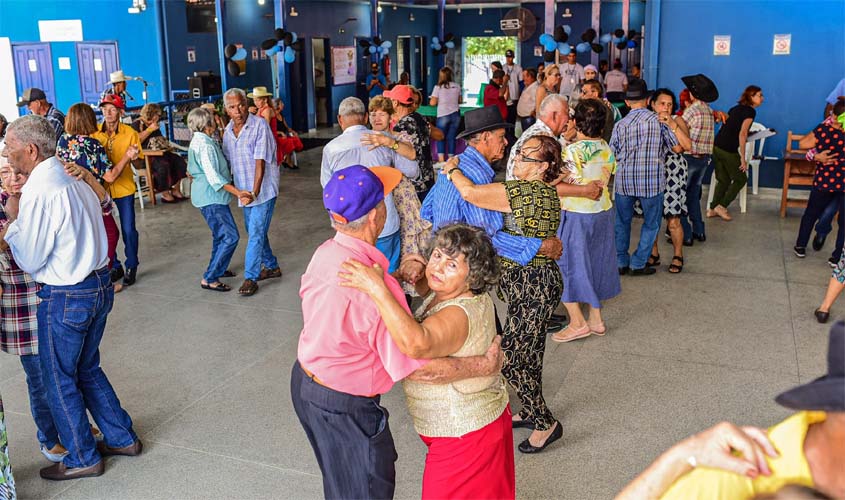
pixel 204 85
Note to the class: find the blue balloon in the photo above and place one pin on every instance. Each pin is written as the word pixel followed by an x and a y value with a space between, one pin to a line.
pixel 550 45
pixel 373 49
pixel 435 40
pixel 383 50
pixel 290 55
pixel 563 48
pixel 543 38
pixel 583 47
pixel 616 40
pixel 293 37
pixel 272 50
pixel 387 45
pixel 631 44
pixel 605 38
pixel 450 45
pixel 567 29
pixel 240 55
pixel 437 46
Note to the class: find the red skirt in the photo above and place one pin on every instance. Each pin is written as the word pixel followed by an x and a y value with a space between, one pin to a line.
pixel 287 145
pixel 478 464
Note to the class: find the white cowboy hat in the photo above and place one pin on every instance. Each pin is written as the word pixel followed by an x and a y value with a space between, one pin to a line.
pixel 118 76
pixel 259 92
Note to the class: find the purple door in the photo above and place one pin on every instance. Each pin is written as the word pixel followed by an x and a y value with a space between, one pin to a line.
pixel 34 68
pixel 96 61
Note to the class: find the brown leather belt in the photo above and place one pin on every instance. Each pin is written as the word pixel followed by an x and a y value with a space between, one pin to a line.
pixel 315 379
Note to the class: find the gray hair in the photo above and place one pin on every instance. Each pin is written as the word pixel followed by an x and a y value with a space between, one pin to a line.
pixel 235 92
pixel 351 106
pixel 552 102
pixel 36 130
pixel 199 119
pixel 351 226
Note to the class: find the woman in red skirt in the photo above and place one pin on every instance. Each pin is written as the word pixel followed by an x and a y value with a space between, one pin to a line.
pixel 287 139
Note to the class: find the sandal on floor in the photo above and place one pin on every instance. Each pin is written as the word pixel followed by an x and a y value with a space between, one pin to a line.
pixel 249 287
pixel 216 286
pixel 598 329
pixel 675 268
pixel 653 260
pixel 569 334
pixel 228 274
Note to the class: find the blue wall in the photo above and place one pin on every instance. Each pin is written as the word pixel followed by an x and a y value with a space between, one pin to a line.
pixel 138 40
pixel 393 23
pixel 245 22
pixel 178 41
pixel 795 86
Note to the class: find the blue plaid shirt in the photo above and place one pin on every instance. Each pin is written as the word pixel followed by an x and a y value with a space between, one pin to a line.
pixel 640 143
pixel 255 142
pixel 444 205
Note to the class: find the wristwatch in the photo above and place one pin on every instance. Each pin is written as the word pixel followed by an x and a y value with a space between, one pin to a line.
pixel 449 173
pixel 395 146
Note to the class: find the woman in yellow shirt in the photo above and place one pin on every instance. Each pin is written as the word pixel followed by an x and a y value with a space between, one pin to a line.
pixel 117 137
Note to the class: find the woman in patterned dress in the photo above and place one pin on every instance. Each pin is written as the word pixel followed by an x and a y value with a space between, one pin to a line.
pixel 675 198
pixel 532 208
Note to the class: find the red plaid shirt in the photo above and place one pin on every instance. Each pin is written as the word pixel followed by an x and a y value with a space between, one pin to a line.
pixel 18 302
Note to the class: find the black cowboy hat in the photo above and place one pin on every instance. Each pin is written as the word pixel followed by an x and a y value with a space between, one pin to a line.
pixel 482 120
pixel 701 87
pixel 826 393
pixel 637 90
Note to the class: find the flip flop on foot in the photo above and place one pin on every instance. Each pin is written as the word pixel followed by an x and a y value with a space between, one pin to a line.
pixel 216 286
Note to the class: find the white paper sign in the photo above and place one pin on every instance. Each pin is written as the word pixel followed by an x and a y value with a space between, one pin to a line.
pixel 33 65
pixel 69 30
pixel 98 64
pixel 721 45
pixel 344 69
pixel 64 63
pixel 782 45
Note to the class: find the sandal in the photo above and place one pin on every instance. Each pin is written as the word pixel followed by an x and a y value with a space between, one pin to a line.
pixel 216 286
pixel 598 329
pixel 248 288
pixel 228 274
pixel 653 260
pixel 675 268
pixel 570 333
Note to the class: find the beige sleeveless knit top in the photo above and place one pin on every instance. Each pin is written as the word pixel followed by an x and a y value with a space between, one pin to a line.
pixel 452 410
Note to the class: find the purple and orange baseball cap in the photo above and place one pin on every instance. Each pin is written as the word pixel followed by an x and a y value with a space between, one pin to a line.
pixel 353 191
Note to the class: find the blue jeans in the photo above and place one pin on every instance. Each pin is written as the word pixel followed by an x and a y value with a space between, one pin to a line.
pixel 652 216
pixel 38 405
pixel 71 321
pixel 258 253
pixel 825 224
pixel 126 210
pixel 695 178
pixel 224 239
pixel 391 247
pixel 449 125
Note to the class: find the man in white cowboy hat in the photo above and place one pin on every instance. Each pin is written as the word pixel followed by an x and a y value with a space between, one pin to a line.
pixel 117 80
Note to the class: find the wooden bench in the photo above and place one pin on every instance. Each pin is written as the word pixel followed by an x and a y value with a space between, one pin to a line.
pixel 797 171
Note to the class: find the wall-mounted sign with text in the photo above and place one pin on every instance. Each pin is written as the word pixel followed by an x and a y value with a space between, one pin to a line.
pixel 721 45
pixel 782 45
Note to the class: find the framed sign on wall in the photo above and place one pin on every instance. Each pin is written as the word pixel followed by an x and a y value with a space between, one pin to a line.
pixel 344 69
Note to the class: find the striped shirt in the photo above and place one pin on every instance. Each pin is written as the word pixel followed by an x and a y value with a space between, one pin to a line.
pixel 255 142
pixel 444 205
pixel 699 118
pixel 640 143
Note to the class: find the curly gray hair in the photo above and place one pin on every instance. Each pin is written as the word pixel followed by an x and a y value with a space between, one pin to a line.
pixel 36 130
pixel 476 247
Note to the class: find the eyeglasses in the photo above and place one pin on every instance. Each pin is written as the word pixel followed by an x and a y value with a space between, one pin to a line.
pixel 527 159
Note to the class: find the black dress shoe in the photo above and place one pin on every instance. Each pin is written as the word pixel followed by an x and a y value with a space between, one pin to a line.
pixel 624 270
pixel 700 237
pixel 643 272
pixel 818 241
pixel 116 274
pixel 58 472
pixel 131 275
pixel 553 326
pixel 689 243
pixel 527 447
pixel 522 424
pixel 822 316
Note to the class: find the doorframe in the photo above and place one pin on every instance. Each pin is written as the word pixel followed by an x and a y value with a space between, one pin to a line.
pixel 327 53
pixel 18 91
pixel 79 68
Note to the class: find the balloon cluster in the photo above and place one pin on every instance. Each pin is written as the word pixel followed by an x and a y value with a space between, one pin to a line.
pixel 377 46
pixel 589 41
pixel 285 42
pixel 622 42
pixel 441 47
pixel 557 41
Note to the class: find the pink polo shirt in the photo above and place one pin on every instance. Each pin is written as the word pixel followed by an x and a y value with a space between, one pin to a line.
pixel 344 342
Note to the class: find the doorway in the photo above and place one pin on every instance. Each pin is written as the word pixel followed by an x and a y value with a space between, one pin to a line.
pixel 410 58
pixel 478 53
pixel 96 61
pixel 298 99
pixel 322 91
pixel 34 68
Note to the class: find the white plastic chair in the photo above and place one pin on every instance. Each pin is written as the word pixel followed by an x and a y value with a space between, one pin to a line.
pixel 753 159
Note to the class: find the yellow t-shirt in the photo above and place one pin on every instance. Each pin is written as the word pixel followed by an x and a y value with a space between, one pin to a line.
pixel 116 146
pixel 790 467
pixel 587 161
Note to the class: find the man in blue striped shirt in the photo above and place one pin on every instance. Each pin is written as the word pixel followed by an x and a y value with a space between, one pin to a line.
pixel 640 142
pixel 485 136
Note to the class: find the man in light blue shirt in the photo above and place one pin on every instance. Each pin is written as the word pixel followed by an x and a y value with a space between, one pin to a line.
pixel 250 147
pixel 347 150
pixel 375 82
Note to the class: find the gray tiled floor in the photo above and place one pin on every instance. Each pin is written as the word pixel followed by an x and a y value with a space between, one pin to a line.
pixel 205 375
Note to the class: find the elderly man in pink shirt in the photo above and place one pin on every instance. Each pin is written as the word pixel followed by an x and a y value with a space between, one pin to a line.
pixel 346 357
